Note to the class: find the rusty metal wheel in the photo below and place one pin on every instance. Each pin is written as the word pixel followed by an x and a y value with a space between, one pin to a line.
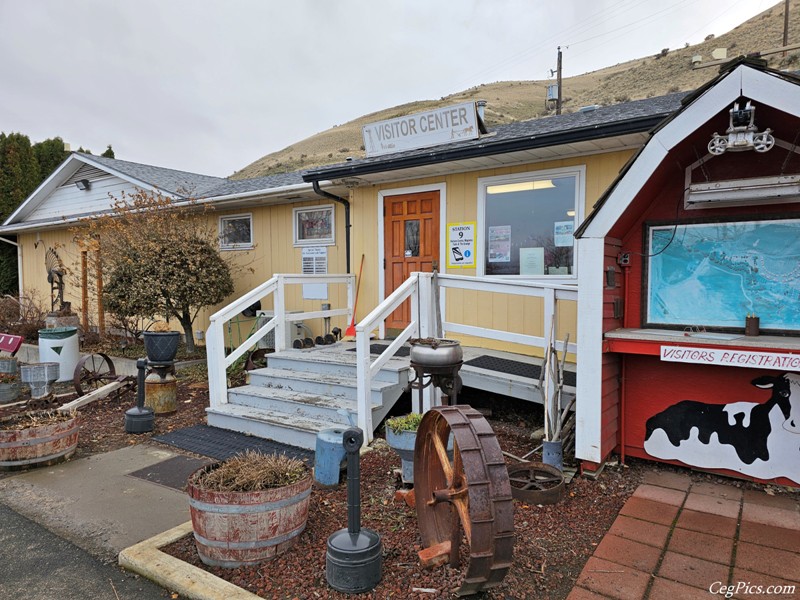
pixel 470 494
pixel 257 359
pixel 93 371
pixel 536 482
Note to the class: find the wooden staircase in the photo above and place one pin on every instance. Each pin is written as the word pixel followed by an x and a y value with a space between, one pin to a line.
pixel 301 392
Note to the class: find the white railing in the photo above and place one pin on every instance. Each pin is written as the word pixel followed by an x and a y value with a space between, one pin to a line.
pixel 418 288
pixel 216 357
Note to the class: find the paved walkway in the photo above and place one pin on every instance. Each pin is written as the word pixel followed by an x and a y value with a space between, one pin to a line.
pixel 675 539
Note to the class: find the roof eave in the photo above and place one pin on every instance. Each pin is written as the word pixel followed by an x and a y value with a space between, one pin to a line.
pixel 636 125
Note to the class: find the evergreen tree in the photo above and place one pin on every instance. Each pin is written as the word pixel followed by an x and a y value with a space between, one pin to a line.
pixel 19 172
pixel 109 153
pixel 49 154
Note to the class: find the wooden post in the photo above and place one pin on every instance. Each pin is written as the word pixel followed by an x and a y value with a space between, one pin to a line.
pixel 101 314
pixel 84 292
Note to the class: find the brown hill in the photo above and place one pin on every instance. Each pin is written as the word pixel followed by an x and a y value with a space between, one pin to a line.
pixel 520 100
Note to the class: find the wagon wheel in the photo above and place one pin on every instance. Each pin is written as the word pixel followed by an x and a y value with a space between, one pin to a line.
pixel 536 482
pixel 257 359
pixel 93 371
pixel 472 493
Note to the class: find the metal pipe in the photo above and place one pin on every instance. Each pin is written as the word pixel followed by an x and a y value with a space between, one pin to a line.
pixel 347 225
pixel 352 440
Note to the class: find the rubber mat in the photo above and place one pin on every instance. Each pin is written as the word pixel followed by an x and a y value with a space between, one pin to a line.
pixel 222 443
pixel 173 472
pixel 402 351
pixel 514 367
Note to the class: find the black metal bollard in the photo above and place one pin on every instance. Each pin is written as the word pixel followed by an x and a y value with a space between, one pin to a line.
pixel 140 418
pixel 353 560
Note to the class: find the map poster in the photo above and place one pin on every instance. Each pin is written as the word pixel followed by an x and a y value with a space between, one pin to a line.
pixel 499 244
pixel 716 274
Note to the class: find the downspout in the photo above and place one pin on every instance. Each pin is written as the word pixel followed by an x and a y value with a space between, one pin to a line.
pixel 19 262
pixel 346 203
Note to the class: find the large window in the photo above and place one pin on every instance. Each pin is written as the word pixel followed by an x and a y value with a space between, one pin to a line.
pixel 236 232
pixel 527 223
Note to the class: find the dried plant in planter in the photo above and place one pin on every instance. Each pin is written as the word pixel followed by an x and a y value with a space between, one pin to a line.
pixel 34 419
pixel 251 472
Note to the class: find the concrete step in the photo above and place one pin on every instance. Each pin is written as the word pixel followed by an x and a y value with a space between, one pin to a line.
pixel 294 404
pixel 287 429
pixel 319 383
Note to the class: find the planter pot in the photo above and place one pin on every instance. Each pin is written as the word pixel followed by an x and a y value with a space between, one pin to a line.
pixel 161 346
pixel 403 443
pixel 232 529
pixel 8 366
pixel 39 376
pixel 9 392
pixel 38 446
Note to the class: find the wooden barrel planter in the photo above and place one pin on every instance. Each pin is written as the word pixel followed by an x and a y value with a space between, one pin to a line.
pixel 38 445
pixel 233 529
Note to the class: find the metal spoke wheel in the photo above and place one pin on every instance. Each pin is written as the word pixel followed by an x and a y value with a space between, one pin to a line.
pixel 469 497
pixel 93 371
pixel 536 482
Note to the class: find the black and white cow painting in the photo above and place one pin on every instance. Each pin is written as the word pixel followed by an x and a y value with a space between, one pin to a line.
pixel 761 440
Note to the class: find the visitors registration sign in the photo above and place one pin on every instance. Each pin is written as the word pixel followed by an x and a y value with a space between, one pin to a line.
pixel 731 357
pixel 461 245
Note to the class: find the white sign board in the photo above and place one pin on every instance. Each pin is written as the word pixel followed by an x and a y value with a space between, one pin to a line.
pixel 315 262
pixel 420 130
pixel 731 358
pixel 461 245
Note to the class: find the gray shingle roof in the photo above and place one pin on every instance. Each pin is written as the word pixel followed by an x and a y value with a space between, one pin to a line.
pixel 538 132
pixel 185 184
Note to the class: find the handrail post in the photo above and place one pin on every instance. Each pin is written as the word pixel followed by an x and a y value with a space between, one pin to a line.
pixel 425 292
pixel 363 383
pixel 217 378
pixel 280 315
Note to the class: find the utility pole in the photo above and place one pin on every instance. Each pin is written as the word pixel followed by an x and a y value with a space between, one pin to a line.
pixel 785 25
pixel 558 80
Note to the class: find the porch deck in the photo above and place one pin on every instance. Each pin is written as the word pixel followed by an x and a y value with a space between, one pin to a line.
pixel 495 371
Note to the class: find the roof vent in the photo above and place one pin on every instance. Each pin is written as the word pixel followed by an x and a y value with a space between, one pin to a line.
pixel 590 108
pixel 349 159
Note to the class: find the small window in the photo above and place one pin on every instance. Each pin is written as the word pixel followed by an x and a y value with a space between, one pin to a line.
pixel 236 232
pixel 313 226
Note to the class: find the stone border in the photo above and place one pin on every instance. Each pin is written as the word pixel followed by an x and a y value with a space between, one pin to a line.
pixel 147 559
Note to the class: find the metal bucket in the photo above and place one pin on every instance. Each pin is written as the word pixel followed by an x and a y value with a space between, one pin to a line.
pixel 232 529
pixel 38 446
pixel 8 366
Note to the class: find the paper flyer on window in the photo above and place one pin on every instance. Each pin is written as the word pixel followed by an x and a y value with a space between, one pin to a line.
pixel 499 244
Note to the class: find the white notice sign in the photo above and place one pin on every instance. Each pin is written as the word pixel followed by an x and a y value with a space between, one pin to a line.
pixel 315 262
pixel 461 244
pixel 731 358
pixel 420 130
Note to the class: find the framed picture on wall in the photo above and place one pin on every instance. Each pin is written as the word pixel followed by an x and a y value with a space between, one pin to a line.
pixel 314 226
pixel 715 274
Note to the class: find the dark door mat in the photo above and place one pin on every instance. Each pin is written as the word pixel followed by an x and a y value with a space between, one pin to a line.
pixel 172 473
pixel 514 367
pixel 402 351
pixel 222 443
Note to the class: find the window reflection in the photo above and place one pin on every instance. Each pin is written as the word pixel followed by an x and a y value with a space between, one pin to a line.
pixel 412 238
pixel 529 227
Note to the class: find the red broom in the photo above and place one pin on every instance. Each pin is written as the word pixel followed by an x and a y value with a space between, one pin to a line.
pixel 350 332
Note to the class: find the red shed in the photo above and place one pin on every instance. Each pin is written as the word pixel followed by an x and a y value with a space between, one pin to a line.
pixel 689 290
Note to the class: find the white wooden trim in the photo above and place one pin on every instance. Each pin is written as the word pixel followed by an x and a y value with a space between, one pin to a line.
pixel 297 242
pixel 243 246
pixel 589 412
pixel 766 88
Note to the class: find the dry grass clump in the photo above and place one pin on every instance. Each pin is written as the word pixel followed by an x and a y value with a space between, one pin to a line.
pixel 34 419
pixel 252 472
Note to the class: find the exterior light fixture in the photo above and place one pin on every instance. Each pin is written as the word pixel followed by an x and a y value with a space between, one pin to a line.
pixel 83 184
pixel 778 189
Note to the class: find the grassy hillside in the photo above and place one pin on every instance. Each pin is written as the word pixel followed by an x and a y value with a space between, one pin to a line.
pixel 520 100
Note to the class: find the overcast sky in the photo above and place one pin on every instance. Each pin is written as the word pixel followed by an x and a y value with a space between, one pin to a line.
pixel 210 86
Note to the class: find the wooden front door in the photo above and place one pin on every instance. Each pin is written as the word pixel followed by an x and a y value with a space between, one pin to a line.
pixel 411 243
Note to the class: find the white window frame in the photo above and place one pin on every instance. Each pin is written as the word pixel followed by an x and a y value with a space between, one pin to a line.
pixel 236 246
pixel 578 171
pixel 330 241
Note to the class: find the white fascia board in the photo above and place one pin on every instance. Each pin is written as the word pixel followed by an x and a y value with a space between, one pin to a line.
pixel 63 172
pixel 111 171
pixel 771 90
pixel 274 191
pixel 589 411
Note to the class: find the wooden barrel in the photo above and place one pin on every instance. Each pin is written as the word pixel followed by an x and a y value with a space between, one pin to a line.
pixel 232 529
pixel 38 446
